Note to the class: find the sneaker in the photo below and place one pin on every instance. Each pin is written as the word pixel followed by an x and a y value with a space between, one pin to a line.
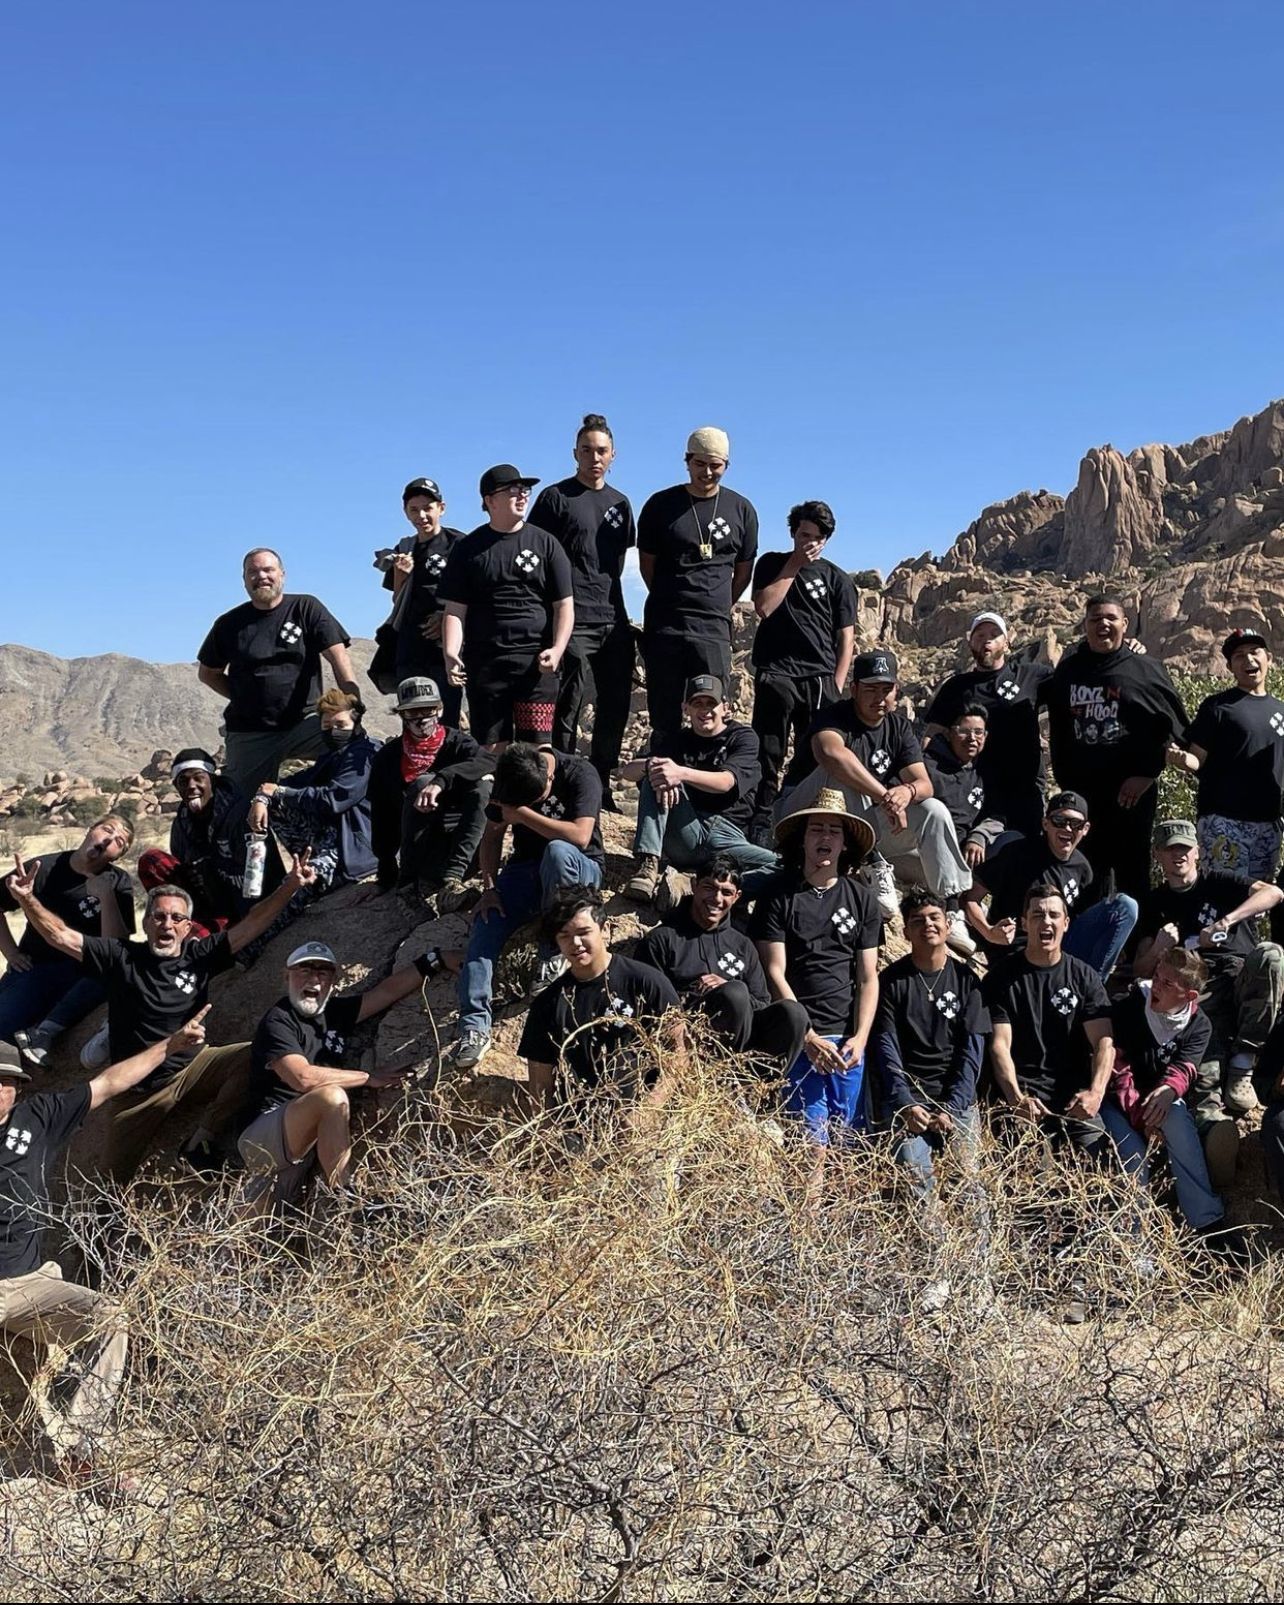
pixel 1239 1097
pixel 934 1297
pixel 877 874
pixel 546 972
pixel 203 1154
pixel 452 896
pixel 669 891
pixel 470 1049
pixel 641 889
pixel 96 1053
pixel 957 934
pixel 34 1047
pixel 1221 1154
pixel 1074 1312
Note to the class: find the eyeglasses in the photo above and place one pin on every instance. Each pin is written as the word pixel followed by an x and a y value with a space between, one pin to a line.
pixel 171 919
pixel 514 491
pixel 1067 822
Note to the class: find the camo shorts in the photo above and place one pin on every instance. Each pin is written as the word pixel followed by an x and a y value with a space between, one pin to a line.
pixel 1245 847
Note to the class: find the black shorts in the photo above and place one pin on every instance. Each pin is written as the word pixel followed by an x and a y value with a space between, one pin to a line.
pixel 511 700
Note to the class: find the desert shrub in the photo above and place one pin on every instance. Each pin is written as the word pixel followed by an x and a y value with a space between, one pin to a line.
pixel 85 810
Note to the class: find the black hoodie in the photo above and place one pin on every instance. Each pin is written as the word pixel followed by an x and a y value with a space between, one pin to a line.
pixel 1110 715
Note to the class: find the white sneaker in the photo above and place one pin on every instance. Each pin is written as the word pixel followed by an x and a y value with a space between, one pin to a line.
pixel 470 1049
pixel 546 972
pixel 957 934
pixel 96 1053
pixel 877 874
pixel 934 1297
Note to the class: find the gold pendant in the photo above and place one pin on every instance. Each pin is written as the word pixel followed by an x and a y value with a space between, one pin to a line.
pixel 706 549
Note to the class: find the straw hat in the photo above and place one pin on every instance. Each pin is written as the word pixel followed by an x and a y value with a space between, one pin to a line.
pixel 830 804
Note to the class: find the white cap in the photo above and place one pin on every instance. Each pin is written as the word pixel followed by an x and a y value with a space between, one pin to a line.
pixel 988 618
pixel 312 953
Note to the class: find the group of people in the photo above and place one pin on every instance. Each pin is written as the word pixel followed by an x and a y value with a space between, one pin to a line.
pixel 1094 968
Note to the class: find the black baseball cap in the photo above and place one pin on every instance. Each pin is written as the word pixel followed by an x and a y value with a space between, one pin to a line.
pixel 875 667
pixel 503 474
pixel 704 685
pixel 422 487
pixel 1241 638
pixel 1066 799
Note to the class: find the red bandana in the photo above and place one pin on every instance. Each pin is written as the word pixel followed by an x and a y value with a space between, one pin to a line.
pixel 417 757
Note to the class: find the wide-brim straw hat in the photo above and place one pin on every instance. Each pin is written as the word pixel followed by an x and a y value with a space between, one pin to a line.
pixel 830 804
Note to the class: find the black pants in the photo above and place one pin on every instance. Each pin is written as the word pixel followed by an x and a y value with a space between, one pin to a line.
pixel 440 845
pixel 1119 840
pixel 783 707
pixel 422 657
pixel 672 660
pixel 510 699
pixel 772 1030
pixel 597 668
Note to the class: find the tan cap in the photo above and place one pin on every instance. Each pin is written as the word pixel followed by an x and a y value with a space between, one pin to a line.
pixel 709 442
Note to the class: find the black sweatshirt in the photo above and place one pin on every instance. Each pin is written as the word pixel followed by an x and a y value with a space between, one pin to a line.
pixel 1110 715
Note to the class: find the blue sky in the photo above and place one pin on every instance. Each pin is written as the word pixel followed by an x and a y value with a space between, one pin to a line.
pixel 264 263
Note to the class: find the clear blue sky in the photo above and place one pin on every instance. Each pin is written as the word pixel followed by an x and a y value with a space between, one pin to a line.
pixel 263 263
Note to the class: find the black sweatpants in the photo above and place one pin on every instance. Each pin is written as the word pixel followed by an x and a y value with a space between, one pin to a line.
pixel 772 1030
pixel 672 660
pixel 597 668
pixel 440 845
pixel 785 707
pixel 1119 839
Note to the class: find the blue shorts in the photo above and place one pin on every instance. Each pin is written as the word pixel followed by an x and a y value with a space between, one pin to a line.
pixel 827 1099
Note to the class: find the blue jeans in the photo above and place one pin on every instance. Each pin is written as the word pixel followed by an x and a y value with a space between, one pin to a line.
pixel 686 839
pixel 1097 936
pixel 828 1100
pixel 916 1154
pixel 524 888
pixel 1198 1202
pixel 59 991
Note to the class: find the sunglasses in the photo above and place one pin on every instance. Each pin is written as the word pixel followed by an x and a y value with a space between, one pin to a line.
pixel 1067 822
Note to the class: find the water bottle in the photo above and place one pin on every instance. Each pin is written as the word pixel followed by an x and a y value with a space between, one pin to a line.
pixel 255 860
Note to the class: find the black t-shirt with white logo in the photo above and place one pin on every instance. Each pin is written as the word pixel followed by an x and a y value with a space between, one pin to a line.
pixel 322 1039
pixel 509 584
pixel 885 748
pixel 697 543
pixel 29 1143
pixel 799 639
pixel 1014 869
pixel 596 528
pixel 273 660
pixel 1243 736
pixel 684 951
pixel 959 787
pixel 430 558
pixel 150 997
pixel 1195 907
pixel 576 793
pixel 625 997
pixel 735 749
pixel 64 891
pixel 1047 1008
pixel 1012 758
pixel 930 1019
pixel 823 932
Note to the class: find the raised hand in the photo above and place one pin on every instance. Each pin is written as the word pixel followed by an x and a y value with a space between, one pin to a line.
pixel 22 883
pixel 191 1037
pixel 301 871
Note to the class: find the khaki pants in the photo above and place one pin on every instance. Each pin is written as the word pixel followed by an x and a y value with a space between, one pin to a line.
pixel 221 1075
pixel 42 1307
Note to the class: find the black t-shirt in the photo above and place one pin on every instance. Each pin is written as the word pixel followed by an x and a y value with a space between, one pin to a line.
pixel 735 749
pixel 959 787
pixel 576 793
pixel 823 932
pixel 1194 908
pixel 273 660
pixel 64 891
pixel 697 543
pixel 1047 1008
pixel 36 1129
pixel 1014 869
pixel 509 584
pixel 799 639
pixel 684 951
pixel 149 997
pixel 885 748
pixel 1149 1059
pixel 1012 758
pixel 430 559
pixel 930 1019
pixel 1244 739
pixel 626 996
pixel 322 1040
pixel 596 528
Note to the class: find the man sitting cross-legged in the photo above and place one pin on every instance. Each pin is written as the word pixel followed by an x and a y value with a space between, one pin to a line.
pixel 715 968
pixel 817 931
pixel 299 1078
pixel 582 1031
pixel 550 801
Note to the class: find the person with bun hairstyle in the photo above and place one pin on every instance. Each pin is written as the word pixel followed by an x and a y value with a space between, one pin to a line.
pixel 594 523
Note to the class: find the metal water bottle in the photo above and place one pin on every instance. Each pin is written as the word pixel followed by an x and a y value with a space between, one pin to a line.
pixel 255 860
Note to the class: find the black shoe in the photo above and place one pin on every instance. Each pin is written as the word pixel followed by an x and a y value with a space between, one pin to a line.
pixel 1227 1243
pixel 609 804
pixel 203 1155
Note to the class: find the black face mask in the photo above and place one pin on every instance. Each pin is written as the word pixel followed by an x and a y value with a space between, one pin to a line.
pixel 335 739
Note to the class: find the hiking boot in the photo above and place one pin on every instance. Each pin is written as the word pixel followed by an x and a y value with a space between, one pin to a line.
pixel 957 934
pixel 96 1053
pixel 452 896
pixel 471 1047
pixel 1221 1154
pixel 34 1047
pixel 876 873
pixel 641 889
pixel 669 891
pixel 1239 1097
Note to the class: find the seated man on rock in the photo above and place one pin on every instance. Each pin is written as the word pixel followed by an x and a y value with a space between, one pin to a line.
pixel 715 968
pixel 42 991
pixel 1160 1039
pixel 952 767
pixel 428 792
pixel 1214 914
pixel 300 1073
pixel 817 931
pixel 207 843
pixel 551 802
pixel 324 807
pixel 583 1032
pixel 696 793
pixel 873 754
pixel 1099 928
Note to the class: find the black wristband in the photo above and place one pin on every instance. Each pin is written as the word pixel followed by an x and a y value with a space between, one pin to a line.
pixel 429 964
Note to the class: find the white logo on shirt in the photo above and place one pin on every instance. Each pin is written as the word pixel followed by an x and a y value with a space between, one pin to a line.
pixel 185 981
pixel 620 1007
pixel 845 920
pixel 1208 915
pixel 814 587
pixel 335 1042
pixel 880 762
pixel 436 564
pixel 1277 723
pixel 291 632
pixel 552 807
pixel 719 529
pixel 731 964
pixel 976 796
pixel 1071 890
pixel 614 516
pixel 1064 1001
pixel 89 906
pixel 527 560
pixel 17 1142
pixel 1009 690
pixel 948 1004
